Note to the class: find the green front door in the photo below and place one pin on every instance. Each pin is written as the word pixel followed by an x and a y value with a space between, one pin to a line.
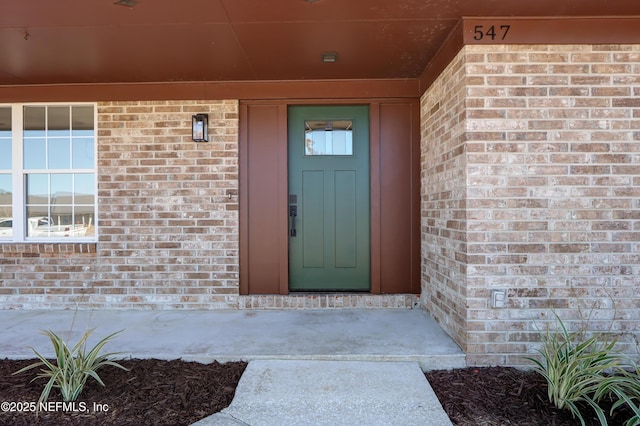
pixel 329 228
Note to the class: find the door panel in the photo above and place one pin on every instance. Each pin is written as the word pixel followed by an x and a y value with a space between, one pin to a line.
pixel 346 226
pixel 312 215
pixel 329 188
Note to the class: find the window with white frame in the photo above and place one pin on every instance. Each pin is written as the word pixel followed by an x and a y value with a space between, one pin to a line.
pixel 6 154
pixel 48 175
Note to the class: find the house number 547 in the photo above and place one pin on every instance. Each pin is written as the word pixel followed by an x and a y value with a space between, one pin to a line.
pixel 481 32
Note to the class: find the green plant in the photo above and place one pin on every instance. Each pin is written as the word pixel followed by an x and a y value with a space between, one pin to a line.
pixel 584 371
pixel 72 366
pixel 629 395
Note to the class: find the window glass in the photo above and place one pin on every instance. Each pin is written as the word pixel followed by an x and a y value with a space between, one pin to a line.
pixel 34 121
pixel 82 120
pixel 37 188
pixel 6 227
pixel 57 169
pixel 5 121
pixel 6 199
pixel 84 219
pixel 5 138
pixel 60 205
pixel 5 153
pixel 328 137
pixel 84 189
pixel 35 153
pixel 61 189
pixel 59 153
pixel 83 153
pixel 58 123
pixel 38 222
pixel 6 189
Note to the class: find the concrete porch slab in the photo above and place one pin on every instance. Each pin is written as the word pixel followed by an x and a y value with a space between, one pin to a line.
pixel 408 335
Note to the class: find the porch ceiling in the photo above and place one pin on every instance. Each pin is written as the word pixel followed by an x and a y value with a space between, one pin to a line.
pixel 80 41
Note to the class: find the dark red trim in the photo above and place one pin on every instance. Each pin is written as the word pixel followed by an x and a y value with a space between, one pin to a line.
pixel 283 198
pixel 546 30
pixel 243 194
pixel 252 90
pixel 374 194
pixel 442 58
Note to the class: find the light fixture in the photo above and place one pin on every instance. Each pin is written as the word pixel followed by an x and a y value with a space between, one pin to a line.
pixel 126 3
pixel 329 57
pixel 200 127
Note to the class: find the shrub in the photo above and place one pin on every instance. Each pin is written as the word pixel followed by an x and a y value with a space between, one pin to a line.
pixel 629 395
pixel 72 367
pixel 585 371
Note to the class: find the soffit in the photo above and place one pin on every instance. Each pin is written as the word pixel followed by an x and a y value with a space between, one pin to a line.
pixel 76 41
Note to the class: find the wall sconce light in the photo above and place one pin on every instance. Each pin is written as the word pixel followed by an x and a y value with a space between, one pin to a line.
pixel 200 127
pixel 329 57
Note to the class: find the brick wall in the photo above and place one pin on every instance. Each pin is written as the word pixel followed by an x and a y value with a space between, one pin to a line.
pixel 552 149
pixel 443 221
pixel 167 218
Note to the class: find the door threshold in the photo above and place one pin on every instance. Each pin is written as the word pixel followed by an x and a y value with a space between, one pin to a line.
pixel 329 301
pixel 328 292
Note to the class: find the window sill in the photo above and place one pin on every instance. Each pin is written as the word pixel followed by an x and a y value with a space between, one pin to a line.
pixel 9 249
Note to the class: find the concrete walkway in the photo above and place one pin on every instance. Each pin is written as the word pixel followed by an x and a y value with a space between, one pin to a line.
pixel 307 367
pixel 294 393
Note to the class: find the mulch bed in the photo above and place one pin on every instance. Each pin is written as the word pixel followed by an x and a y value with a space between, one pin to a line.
pixel 153 392
pixel 504 396
pixel 158 392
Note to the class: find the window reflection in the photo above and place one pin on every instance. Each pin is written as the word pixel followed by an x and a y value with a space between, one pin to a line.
pixel 82 153
pixel 60 205
pixel 5 139
pixel 5 121
pixel 5 150
pixel 6 190
pixel 58 122
pixel 82 120
pixel 35 153
pixel 34 121
pixel 59 155
pixel 328 137
pixel 6 227
pixel 64 221
pixel 58 137
pixel 6 214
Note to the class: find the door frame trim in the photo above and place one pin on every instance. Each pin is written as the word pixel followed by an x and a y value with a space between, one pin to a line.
pixel 281 197
pixel 281 245
pixel 374 196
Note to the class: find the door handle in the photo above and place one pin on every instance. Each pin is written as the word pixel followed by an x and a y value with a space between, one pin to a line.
pixel 293 212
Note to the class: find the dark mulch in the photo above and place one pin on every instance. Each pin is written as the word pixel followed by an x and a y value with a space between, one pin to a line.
pixel 504 396
pixel 158 392
pixel 153 392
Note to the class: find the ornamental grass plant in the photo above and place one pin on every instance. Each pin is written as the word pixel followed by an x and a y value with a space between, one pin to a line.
pixel 581 371
pixel 630 395
pixel 72 366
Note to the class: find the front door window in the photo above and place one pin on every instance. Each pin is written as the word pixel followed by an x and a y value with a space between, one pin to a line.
pixel 328 137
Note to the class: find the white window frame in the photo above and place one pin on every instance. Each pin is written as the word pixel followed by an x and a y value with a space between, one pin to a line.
pixel 18 181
